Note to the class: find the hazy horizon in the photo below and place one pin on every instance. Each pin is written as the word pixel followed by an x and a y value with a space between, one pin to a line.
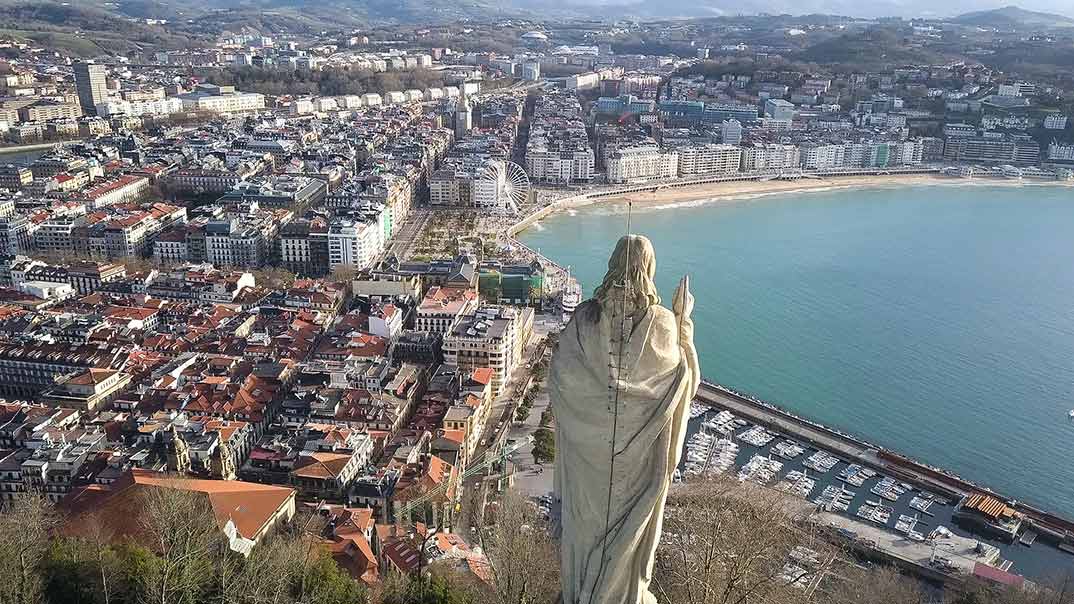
pixel 850 8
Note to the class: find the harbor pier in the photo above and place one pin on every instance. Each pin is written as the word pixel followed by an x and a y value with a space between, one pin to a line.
pixel 958 554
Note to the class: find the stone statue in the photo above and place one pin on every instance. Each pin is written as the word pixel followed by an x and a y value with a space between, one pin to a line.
pixel 621 380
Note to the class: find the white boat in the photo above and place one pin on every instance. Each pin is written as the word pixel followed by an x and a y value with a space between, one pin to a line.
pixel 1072 414
pixel 569 301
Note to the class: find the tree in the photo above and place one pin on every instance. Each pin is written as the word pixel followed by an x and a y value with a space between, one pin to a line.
pixel 729 543
pixel 547 418
pixel 443 585
pixel 274 278
pixel 271 574
pixel 881 584
pixel 90 569
pixel 135 264
pixel 24 532
pixel 325 583
pixel 522 555
pixel 179 526
pixel 544 445
pixel 70 573
pixel 342 273
pixel 1055 590
pixel 522 413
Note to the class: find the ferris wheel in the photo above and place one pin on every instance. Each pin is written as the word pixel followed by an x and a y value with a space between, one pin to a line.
pixel 510 183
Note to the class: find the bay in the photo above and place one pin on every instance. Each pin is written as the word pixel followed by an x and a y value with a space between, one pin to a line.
pixel 933 320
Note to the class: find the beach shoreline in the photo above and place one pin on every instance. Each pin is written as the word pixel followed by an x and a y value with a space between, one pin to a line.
pixel 737 191
pixel 722 192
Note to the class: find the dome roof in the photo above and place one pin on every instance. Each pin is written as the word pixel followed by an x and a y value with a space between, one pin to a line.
pixel 534 35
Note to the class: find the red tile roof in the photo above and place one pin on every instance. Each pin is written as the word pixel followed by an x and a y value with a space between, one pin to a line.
pixel 483 375
pixel 249 505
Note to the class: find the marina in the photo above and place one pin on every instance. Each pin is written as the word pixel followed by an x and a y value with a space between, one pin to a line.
pixel 883 515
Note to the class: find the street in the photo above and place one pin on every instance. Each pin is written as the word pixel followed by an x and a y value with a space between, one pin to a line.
pixel 411 230
pixel 531 479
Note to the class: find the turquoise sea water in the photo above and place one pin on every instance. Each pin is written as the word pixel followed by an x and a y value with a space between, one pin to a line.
pixel 934 320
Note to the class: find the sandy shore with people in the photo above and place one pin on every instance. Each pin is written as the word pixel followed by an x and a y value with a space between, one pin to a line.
pixel 732 191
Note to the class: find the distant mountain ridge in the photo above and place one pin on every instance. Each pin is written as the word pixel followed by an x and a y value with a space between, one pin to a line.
pixel 206 17
pixel 444 10
pixel 1014 16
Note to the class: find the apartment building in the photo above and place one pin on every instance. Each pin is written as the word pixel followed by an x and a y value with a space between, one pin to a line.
pixel 354 243
pixel 296 193
pixel 43 111
pixel 221 99
pixel 469 182
pixel 558 148
pixel 989 149
pixel 151 107
pixel 304 248
pixel 770 157
pixel 1060 152
pixel 492 337
pixel 443 306
pixel 86 277
pixel 16 234
pixel 709 159
pixel 123 189
pixel 129 236
pixel 641 163
pixel 55 235
pixel 220 179
pixel 14 177
pixel 248 242
pixel 31 368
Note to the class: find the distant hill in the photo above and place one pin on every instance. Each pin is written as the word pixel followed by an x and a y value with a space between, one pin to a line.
pixel 314 15
pixel 1013 16
pixel 872 48
pixel 82 28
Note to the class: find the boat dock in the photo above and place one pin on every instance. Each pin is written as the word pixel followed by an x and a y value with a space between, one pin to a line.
pixel 847 447
pixel 884 503
pixel 936 559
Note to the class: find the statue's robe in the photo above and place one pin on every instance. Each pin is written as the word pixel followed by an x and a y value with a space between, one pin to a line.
pixel 655 380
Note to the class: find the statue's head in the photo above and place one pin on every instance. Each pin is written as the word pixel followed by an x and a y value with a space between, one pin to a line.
pixel 632 268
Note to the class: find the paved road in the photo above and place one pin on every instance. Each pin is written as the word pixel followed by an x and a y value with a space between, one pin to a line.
pixel 500 427
pixel 412 228
pixel 531 479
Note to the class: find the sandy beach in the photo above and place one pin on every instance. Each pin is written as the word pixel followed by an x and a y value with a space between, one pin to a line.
pixel 730 191
pixel 734 191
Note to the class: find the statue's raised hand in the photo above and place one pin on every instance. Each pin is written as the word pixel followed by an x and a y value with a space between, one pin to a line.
pixel 683 303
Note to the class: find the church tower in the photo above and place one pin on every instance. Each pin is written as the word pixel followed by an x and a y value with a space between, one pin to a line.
pixel 463 115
